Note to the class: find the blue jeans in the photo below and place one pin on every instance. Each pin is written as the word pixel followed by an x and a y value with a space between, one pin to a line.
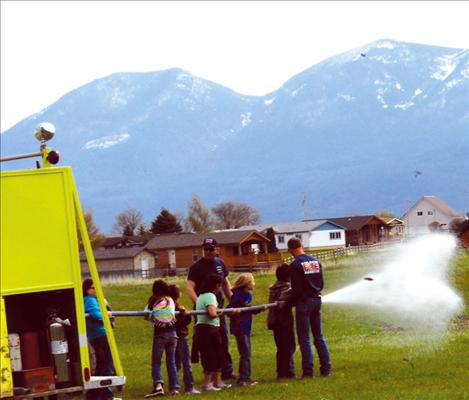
pixel 183 358
pixel 244 348
pixel 308 314
pixel 164 343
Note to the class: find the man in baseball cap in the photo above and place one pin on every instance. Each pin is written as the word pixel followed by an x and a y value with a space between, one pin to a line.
pixel 207 265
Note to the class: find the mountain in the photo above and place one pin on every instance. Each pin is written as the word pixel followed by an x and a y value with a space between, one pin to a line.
pixel 351 132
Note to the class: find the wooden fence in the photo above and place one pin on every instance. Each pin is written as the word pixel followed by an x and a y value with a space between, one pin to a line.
pixel 348 251
pixel 255 267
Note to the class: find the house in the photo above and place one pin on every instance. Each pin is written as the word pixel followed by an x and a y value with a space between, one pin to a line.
pixel 315 234
pixel 132 261
pixel 428 214
pixel 396 227
pixel 236 247
pixel 362 229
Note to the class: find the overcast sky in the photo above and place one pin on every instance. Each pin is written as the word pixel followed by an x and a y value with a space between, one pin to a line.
pixel 51 48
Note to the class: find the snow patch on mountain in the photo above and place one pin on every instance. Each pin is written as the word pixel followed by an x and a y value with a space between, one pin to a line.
pixel 118 98
pixel 452 83
pixel 268 102
pixel 346 97
pixel 383 59
pixel 465 71
pixel 195 86
pixel 245 119
pixel 380 98
pixel 404 106
pixel 460 78
pixel 106 141
pixel 445 67
pixel 387 44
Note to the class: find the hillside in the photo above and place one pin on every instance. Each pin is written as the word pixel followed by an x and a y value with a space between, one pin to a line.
pixel 350 132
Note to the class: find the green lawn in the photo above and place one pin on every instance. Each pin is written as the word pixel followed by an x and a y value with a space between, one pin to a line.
pixel 371 358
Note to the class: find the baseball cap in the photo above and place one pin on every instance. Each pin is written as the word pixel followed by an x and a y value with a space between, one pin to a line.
pixel 210 242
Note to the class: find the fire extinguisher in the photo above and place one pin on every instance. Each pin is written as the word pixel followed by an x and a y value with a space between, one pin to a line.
pixel 59 350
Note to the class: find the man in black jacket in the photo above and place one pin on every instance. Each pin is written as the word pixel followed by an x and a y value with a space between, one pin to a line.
pixel 307 283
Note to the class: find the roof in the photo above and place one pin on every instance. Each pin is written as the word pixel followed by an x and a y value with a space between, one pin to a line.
pixel 228 237
pixel 392 220
pixel 355 223
pixel 113 254
pixel 441 205
pixel 299 226
pixel 121 241
pixel 302 226
pixel 437 203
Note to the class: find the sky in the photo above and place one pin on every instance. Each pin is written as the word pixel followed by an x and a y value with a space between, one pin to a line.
pixel 49 48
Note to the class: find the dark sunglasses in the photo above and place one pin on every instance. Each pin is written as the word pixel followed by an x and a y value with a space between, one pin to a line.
pixel 209 249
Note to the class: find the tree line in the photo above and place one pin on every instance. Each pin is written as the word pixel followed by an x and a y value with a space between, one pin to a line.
pixel 199 219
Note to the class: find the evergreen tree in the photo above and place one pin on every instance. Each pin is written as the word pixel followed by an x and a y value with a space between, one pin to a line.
pixel 141 230
pixel 165 222
pixel 128 231
pixel 271 235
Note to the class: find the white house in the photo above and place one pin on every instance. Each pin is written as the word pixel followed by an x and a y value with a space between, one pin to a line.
pixel 314 234
pixel 429 213
pixel 131 261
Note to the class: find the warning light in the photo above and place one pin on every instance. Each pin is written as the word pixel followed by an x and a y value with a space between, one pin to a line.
pixel 53 157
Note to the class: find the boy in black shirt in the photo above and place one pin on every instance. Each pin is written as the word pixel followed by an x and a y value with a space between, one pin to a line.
pixel 280 320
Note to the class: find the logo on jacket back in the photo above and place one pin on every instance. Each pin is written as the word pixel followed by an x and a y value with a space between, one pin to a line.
pixel 311 267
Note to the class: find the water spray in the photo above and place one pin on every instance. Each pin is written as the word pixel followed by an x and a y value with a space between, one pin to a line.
pixel 413 287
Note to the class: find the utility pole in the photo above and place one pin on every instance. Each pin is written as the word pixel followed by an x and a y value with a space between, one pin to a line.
pixel 305 206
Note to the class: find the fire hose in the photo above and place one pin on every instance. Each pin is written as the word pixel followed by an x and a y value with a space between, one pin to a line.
pixel 260 307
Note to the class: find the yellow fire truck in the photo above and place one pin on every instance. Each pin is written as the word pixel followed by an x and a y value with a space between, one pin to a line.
pixel 44 347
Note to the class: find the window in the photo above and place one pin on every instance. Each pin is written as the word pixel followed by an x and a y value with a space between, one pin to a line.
pixel 430 212
pixel 419 213
pixel 335 235
pixel 195 255
pixel 281 239
pixel 235 251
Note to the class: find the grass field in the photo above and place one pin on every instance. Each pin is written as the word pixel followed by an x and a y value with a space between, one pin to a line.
pixel 371 357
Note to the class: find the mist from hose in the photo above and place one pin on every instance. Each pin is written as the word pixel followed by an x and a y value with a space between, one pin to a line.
pixel 413 288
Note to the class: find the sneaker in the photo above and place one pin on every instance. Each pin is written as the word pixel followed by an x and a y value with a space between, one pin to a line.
pixel 174 392
pixel 223 385
pixel 248 383
pixel 210 388
pixel 157 391
pixel 193 391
